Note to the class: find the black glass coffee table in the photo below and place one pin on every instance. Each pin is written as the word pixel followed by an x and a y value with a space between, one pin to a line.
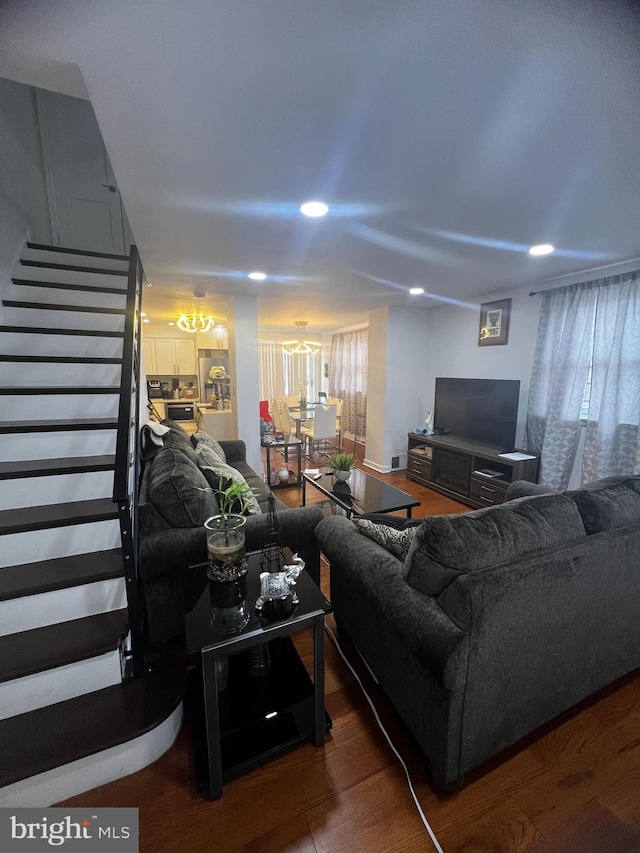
pixel 361 494
pixel 252 719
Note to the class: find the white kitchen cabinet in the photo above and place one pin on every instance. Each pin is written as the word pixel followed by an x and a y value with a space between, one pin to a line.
pixel 149 356
pixel 172 356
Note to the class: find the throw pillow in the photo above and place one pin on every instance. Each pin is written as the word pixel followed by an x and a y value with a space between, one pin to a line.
pixel 179 491
pixel 202 437
pixel 394 534
pixel 215 471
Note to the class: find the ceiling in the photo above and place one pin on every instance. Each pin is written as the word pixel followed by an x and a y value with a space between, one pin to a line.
pixel 447 137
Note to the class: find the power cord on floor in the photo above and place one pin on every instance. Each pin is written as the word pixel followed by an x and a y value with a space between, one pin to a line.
pixel 424 820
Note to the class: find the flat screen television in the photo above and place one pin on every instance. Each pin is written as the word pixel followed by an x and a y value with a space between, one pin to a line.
pixel 482 410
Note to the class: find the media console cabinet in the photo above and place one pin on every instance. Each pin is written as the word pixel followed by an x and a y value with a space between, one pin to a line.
pixel 472 473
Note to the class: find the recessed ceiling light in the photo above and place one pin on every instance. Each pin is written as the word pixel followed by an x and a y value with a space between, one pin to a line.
pixel 416 291
pixel 171 323
pixel 257 276
pixel 541 249
pixel 314 208
pixel 143 314
pixel 145 321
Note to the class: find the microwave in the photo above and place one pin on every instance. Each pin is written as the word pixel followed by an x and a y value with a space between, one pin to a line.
pixel 180 411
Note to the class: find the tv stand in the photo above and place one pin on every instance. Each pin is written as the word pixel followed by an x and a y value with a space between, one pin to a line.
pixel 475 474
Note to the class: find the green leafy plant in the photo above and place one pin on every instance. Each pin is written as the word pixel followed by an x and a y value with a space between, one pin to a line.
pixel 233 500
pixel 341 461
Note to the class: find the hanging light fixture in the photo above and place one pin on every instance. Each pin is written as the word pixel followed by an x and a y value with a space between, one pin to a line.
pixel 195 322
pixel 301 347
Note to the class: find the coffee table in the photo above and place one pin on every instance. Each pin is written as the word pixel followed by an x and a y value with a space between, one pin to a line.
pixel 253 719
pixel 361 494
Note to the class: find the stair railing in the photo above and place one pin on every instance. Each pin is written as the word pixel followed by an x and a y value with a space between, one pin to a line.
pixel 127 464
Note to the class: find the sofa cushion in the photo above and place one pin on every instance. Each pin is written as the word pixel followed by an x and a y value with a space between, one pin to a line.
pixel 446 546
pixel 219 475
pixel 178 490
pixel 393 533
pixel 606 504
pixel 202 437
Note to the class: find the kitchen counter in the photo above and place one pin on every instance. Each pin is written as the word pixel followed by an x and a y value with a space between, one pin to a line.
pixel 217 422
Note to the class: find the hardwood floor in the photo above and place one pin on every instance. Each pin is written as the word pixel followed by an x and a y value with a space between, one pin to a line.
pixel 571 787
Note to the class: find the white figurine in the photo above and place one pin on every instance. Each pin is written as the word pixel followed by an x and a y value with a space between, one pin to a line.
pixel 428 422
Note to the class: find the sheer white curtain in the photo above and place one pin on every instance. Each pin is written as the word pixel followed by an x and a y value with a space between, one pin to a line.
pixel 348 361
pixel 269 372
pixel 281 373
pixel 587 356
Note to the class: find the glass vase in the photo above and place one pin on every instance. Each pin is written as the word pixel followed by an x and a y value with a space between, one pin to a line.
pixel 227 571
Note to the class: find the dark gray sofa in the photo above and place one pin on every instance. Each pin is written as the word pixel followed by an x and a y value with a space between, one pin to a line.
pixel 174 502
pixel 498 619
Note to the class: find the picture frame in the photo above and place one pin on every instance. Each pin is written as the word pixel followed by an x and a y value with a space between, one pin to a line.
pixel 494 323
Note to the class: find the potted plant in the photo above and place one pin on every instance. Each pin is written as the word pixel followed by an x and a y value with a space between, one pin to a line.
pixel 226 558
pixel 341 464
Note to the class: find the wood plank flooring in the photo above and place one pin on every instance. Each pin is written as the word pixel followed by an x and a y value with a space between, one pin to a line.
pixel 571 787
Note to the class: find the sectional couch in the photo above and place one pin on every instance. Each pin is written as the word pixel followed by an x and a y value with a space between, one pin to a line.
pixel 490 623
pixel 175 500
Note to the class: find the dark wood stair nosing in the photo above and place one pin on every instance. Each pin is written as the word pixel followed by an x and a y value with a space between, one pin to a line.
pixel 50 390
pixel 60 359
pixel 26 579
pixel 43 247
pixel 44 330
pixel 50 516
pixel 59 285
pixel 89 724
pixel 55 306
pixel 72 268
pixel 27 468
pixel 52 646
pixel 17 427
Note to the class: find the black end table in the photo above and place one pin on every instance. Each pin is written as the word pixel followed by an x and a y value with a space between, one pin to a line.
pixel 253 719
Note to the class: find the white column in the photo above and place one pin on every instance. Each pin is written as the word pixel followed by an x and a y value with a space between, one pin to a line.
pixel 243 363
pixel 396 383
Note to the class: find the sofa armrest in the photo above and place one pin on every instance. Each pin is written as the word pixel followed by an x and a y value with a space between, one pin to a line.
pixel 525 488
pixel 365 575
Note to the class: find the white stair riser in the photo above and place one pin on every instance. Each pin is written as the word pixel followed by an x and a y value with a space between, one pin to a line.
pixel 51 295
pixel 74 778
pixel 26 374
pixel 63 319
pixel 61 605
pixel 70 258
pixel 58 407
pixel 69 276
pixel 37 545
pixel 61 488
pixel 56 685
pixel 14 343
pixel 57 445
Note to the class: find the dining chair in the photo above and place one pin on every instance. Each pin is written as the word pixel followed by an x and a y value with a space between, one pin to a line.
pixel 321 430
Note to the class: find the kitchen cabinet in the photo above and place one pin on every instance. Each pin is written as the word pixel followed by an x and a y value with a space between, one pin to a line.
pixel 149 356
pixel 171 356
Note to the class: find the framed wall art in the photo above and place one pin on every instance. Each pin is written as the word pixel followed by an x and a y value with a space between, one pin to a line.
pixel 494 323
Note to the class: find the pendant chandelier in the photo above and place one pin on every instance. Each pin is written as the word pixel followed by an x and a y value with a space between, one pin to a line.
pixel 301 347
pixel 195 322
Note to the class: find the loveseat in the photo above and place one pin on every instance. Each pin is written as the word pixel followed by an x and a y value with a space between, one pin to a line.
pixel 490 623
pixel 175 500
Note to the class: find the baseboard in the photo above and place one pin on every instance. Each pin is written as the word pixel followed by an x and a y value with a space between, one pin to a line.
pixel 381 469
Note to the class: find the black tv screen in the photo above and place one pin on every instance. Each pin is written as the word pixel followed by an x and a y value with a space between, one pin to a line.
pixel 483 410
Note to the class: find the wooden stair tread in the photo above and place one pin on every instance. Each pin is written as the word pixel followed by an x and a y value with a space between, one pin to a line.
pixel 49 467
pixel 14 427
pixel 43 330
pixel 59 285
pixel 82 252
pixel 55 306
pixel 28 390
pixel 72 268
pixel 60 573
pixel 56 515
pixel 28 652
pixel 88 724
pixel 59 359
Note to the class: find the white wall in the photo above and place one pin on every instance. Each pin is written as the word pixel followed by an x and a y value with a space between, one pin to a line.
pixel 453 347
pixel 243 360
pixel 23 196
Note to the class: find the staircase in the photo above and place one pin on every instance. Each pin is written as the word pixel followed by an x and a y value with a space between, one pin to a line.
pixel 78 704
